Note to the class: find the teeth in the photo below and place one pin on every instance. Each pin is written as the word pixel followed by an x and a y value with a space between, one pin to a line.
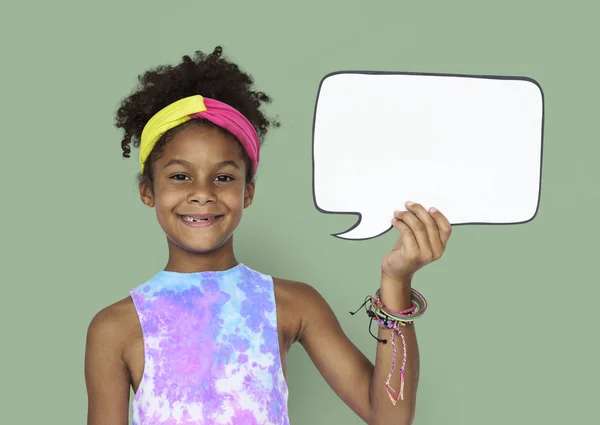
pixel 195 220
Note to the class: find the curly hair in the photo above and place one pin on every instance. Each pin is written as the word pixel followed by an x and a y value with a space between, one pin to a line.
pixel 209 75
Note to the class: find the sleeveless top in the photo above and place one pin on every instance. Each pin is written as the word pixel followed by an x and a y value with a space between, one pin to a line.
pixel 211 350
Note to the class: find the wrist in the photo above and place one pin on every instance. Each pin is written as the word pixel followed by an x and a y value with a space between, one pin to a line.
pixel 396 293
pixel 402 281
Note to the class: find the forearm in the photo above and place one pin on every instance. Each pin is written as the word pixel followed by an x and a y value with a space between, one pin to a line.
pixel 395 295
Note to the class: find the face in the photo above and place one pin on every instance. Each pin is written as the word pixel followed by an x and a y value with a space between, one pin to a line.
pixel 200 191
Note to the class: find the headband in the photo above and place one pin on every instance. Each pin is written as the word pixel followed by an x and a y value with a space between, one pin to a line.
pixel 197 106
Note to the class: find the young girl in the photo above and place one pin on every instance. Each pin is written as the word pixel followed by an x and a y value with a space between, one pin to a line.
pixel 205 340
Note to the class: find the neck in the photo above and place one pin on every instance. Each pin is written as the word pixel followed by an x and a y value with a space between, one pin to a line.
pixel 222 258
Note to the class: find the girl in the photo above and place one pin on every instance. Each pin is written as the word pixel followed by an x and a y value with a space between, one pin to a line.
pixel 205 340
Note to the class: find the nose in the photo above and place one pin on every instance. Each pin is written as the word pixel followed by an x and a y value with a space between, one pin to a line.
pixel 201 193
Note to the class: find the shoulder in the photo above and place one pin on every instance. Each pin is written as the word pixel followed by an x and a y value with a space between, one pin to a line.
pixel 110 326
pixel 301 300
pixel 106 372
pixel 299 293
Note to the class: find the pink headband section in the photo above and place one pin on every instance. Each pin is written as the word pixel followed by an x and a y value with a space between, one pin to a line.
pixel 233 121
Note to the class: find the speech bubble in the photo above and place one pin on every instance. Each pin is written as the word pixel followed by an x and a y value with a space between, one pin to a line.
pixel 471 146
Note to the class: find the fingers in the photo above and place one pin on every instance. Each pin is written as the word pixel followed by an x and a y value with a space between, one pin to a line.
pixel 443 225
pixel 431 229
pixel 418 228
pixel 407 236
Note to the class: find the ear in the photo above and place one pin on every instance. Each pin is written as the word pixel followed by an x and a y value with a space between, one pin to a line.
pixel 146 194
pixel 249 194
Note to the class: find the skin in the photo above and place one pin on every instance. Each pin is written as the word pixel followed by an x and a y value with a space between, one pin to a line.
pixel 211 180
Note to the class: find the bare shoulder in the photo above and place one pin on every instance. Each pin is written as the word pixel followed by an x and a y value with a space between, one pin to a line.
pixel 301 301
pixel 116 312
pixel 112 323
pixel 292 287
pixel 106 373
pixel 296 294
pixel 296 290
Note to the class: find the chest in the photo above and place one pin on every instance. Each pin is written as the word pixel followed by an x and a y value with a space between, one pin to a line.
pixel 288 325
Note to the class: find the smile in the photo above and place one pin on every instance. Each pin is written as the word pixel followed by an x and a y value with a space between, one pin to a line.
pixel 195 220
pixel 199 221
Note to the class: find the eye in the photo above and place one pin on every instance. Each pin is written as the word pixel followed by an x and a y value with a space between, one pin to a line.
pixel 223 178
pixel 178 176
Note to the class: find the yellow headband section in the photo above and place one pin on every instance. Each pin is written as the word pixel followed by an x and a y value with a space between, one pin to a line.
pixel 167 118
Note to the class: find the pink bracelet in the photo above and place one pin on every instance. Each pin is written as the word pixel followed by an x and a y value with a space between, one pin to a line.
pixel 395 321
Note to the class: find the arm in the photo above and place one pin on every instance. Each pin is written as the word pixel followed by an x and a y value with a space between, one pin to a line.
pixel 106 375
pixel 396 296
pixel 350 374
pixel 359 383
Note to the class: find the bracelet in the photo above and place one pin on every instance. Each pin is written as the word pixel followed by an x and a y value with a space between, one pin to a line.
pixel 419 306
pixel 382 320
pixel 394 320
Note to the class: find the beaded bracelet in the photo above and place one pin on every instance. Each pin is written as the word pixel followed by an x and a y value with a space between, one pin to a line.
pixel 394 320
pixel 419 306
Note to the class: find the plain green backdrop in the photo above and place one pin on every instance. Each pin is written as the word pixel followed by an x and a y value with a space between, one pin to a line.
pixel 511 335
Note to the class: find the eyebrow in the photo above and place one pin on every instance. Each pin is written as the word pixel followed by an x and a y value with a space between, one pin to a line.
pixel 226 163
pixel 189 164
pixel 177 162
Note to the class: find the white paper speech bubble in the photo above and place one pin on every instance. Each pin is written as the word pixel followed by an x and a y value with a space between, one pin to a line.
pixel 469 145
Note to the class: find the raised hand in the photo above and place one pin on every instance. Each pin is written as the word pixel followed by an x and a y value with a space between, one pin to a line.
pixel 423 238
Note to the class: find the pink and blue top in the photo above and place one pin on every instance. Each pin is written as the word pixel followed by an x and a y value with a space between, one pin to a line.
pixel 211 350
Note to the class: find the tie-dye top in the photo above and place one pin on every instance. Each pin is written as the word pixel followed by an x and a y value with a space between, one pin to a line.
pixel 211 350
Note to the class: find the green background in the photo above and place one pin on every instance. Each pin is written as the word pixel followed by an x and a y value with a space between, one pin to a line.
pixel 511 335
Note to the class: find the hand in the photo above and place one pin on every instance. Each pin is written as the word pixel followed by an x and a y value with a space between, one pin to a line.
pixel 423 238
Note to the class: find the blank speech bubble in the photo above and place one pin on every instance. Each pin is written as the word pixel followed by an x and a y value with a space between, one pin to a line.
pixel 470 146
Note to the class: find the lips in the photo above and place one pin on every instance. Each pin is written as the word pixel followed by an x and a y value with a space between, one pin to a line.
pixel 195 218
pixel 200 220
